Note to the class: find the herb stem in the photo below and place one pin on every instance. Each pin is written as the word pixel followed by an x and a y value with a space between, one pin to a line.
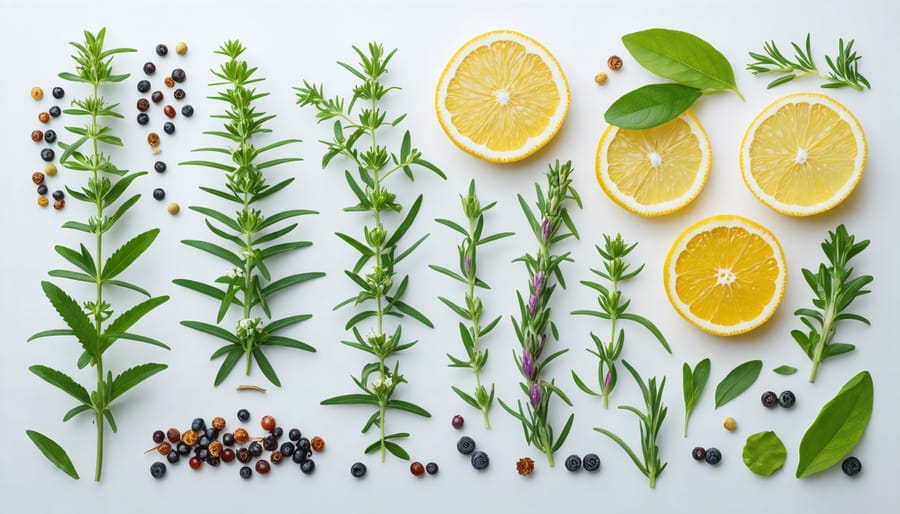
pixel 825 335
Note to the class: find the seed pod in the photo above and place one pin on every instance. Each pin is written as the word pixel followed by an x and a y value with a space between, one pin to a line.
pixel 600 78
pixel 59 204
pixel 730 424
pixel 525 466
pixel 153 139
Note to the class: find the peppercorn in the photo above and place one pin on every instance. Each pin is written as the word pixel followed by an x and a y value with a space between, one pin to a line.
pixel 243 455
pixel 42 189
pixel 591 462
pixel 143 104
pixel 47 154
pixel 50 170
pixel 417 469
pixel 730 424
pixel 573 463
pixel 308 466
pixel 54 111
pixel 187 111
pixel 156 96
pixel 143 118
pixel 181 48
pixel 59 204
pixel 178 75
pixel 267 422
pixel 159 166
pixel 600 78
pixel 59 195
pixel 149 68
pixel 358 470
pixel 58 92
pixel 189 437
pixel 50 136
pixel 37 93
pixel 218 422
pixel 169 127
pixel 164 448
pixel 159 436
pixel 457 422
pixel 276 457
pixel 169 82
pixel 227 455
pixel 37 136
pixel 241 436
pixel 243 415
pixel 169 111
pixel 480 460
pixel 157 470
pixel 179 94
pixel 525 466
pixel 195 463
pixel 317 443
pixel 43 201
pixel 153 139
pixel 162 50
pixel 699 453
pixel 431 468
pixel 614 62
pixel 769 399
pixel 44 117
pixel 37 177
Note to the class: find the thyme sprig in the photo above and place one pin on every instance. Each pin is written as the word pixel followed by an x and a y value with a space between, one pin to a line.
pixel 651 421
pixel 834 291
pixel 844 69
pixel 614 307
pixel 473 308
pixel 355 122
pixel 552 225
pixel 247 283
pixel 92 323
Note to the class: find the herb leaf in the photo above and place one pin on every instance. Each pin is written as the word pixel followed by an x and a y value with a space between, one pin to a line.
pixel 764 453
pixel 785 370
pixel 53 452
pixel 844 69
pixel 693 383
pixel 737 381
pixel 650 106
pixel 838 427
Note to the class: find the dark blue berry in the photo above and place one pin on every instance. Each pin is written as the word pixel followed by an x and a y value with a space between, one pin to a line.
pixel 431 468
pixel 149 68
pixel 308 466
pixel 143 118
pixel 47 154
pixel 699 453
pixel 50 136
pixel 172 457
pixel 204 441
pixel 162 50
pixel 299 456
pixel 713 456
pixel 143 86
pixel 178 75
pixel 42 189
pixel 212 460
pixel 303 444
pixel 160 167
pixel 198 425
pixel 786 399
pixel 58 93
pixel 243 415
pixel 183 449
pixel 358 470
pixel 54 111
pixel 156 96
pixel 187 111
pixel 201 453
pixel 287 449
pixel 179 94
pixel 169 127
pixel 465 445
pixel 573 463
pixel 255 449
pixel 227 437
pixel 211 432
pixel 157 469
pixel 158 194
pixel 769 399
pixel 294 434
pixel 59 195
pixel 270 443
pixel 480 460
pixel 246 472
pixel 851 466
pixel 277 432
pixel 591 462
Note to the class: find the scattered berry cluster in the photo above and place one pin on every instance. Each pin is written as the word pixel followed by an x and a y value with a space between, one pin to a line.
pixel 710 455
pixel 48 137
pixel 202 445
pixel 786 399
pixel 466 446
pixel 590 462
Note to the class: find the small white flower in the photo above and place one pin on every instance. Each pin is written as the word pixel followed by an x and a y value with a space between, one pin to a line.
pixel 376 383
pixel 388 382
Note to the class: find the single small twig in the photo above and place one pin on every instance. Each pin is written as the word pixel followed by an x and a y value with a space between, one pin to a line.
pixel 844 70
pixel 246 387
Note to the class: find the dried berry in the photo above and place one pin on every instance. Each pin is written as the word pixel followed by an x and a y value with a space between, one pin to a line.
pixel 480 460
pixel 181 48
pixel 769 399
pixel 50 170
pixel 431 468
pixel 42 189
pixel 277 432
pixel 162 50
pixel 358 470
pixel 246 472
pixel 178 75
pixel 851 466
pixel 287 449
pixel 149 68
pixel 59 195
pixel 173 457
pixel 573 463
pixel 600 78
pixel 699 453
pixel 158 470
pixel 591 462
pixel 173 435
pixel 267 422
pixel 227 455
pixel 614 62
pixel 153 139
pixel 38 178
pixel 417 469
pixel 270 443
pixel 215 448
pixel 243 415
pixel 164 448
pixel 304 444
pixel 169 111
pixel 195 463
pixel 308 466
pixel 199 425
pixel 157 96
pixel 243 455
pixel 43 201
pixel 183 449
pixel 37 136
pixel 317 443
pixel 218 423
pixel 143 118
pixel 255 449
pixel 262 466
pixel 159 436
pixel 50 136
pixel 525 466
pixel 457 422
pixel 44 117
pixel 143 104
pixel 37 93
pixel 179 94
pixel 169 82
pixel 159 167
pixel 465 445
pixel 787 399
pixel 59 204
pixel 143 86
pixel 276 457
pixel 190 437
pixel 299 456
pixel 730 424
pixel 212 461
pixel 241 436
pixel 58 92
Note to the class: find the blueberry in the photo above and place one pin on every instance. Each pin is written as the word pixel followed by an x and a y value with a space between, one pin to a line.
pixel 47 154
pixel 143 118
pixel 358 470
pixel 158 436
pixel 58 93
pixel 160 167
pixel 169 127
pixel 162 50
pixel 786 399
pixel 42 189
pixel 308 466
pixel 178 75
pixel 699 453
pixel 212 434
pixel 270 443
pixel 573 462
pixel 277 432
pixel 157 469
pixel 591 462
pixel 769 399
pixel 294 434
pixel 183 449
pixel 465 445
pixel 287 449
pixel 713 456
pixel 431 468
pixel 198 425
pixel 59 195
pixel 149 68
pixel 54 111
pixel 255 449
pixel 303 444
pixel 243 415
pixel 187 111
pixel 50 136
pixel 480 460
pixel 299 456
pixel 227 437
pixel 851 466
pixel 246 472
pixel 173 457
pixel 202 453
pixel 143 86
pixel 156 96
pixel 203 442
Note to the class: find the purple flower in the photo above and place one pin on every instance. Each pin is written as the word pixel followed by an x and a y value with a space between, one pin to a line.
pixel 608 379
pixel 467 263
pixel 538 282
pixel 528 365
pixel 532 305
pixel 535 394
pixel 545 230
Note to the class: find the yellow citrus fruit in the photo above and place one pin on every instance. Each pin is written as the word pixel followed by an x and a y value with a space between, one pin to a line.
pixel 502 96
pixel 803 154
pixel 654 171
pixel 725 274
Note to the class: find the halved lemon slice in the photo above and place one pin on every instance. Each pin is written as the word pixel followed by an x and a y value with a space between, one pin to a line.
pixel 502 96
pixel 654 171
pixel 725 274
pixel 804 154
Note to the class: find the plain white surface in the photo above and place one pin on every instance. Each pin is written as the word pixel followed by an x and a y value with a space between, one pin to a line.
pixel 302 40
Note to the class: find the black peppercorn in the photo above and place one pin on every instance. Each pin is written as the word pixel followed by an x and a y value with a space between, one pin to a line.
pixel 58 92
pixel 187 111
pixel 243 455
pixel 59 195
pixel 179 94
pixel 47 154
pixel 143 86
pixel 159 166
pixel 143 104
pixel 143 118
pixel 149 68
pixel 55 111
pixel 178 75
pixel 50 136
pixel 162 50
pixel 156 96
pixel 42 189
pixel 169 127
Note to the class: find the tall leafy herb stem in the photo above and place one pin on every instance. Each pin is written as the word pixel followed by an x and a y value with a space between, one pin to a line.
pixel 844 68
pixel 472 309
pixel 379 291
pixel 552 225
pixel 248 283
pixel 834 291
pixel 90 324
pixel 614 307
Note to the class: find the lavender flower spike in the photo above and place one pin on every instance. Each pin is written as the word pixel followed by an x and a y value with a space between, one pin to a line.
pixel 532 305
pixel 467 264
pixel 535 394
pixel 545 230
pixel 527 365
pixel 537 283
pixel 608 380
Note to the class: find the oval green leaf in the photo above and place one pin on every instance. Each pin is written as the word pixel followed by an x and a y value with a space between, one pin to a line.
pixel 682 57
pixel 785 370
pixel 838 427
pixel 737 381
pixel 650 106
pixel 764 453
pixel 53 452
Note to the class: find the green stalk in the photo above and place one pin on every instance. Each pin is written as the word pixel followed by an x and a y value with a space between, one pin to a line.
pixel 827 332
pixel 98 319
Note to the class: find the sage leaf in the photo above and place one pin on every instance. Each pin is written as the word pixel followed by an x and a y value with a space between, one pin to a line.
pixel 53 452
pixel 682 57
pixel 693 383
pixel 838 427
pixel 764 453
pixel 650 106
pixel 737 381
pixel 785 370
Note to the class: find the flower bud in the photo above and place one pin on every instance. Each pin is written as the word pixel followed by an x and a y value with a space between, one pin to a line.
pixel 537 283
pixel 546 229
pixel 535 395
pixel 532 305
pixel 527 365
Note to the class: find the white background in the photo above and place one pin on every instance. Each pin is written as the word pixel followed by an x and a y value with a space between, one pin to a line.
pixel 302 40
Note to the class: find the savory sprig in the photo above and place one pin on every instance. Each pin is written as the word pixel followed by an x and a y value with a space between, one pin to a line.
pixel 362 119
pixel 473 309
pixel 247 284
pixel 651 423
pixel 92 323
pixel 614 307
pixel 844 69
pixel 552 226
pixel 834 291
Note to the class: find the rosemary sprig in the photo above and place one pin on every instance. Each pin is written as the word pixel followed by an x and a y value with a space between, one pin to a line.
pixel 651 422
pixel 92 323
pixel 834 292
pixel 247 284
pixel 614 307
pixel 551 227
pixel 844 69
pixel 379 290
pixel 468 268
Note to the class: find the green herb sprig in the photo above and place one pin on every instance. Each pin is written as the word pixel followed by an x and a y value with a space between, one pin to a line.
pixel 247 284
pixel 358 120
pixel 651 423
pixel 93 323
pixel 737 381
pixel 472 309
pixel 844 69
pixel 552 226
pixel 614 307
pixel 693 382
pixel 834 291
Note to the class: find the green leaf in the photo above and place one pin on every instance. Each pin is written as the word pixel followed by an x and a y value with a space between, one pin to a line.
pixel 212 330
pixel 465 397
pixel 127 253
pixel 74 411
pixel 200 287
pixel 396 450
pixel 75 318
pixel 360 247
pixel 62 381
pixel 405 224
pixel 281 216
pixel 287 341
pixel 764 453
pixel 408 407
pixel 838 427
pixel 288 281
pixel 650 106
pixel 351 399
pixel 119 187
pixel 216 250
pixel 132 377
pixel 218 216
pixel 82 260
pixel 53 452
pixel 649 326
pixel 444 271
pixel 682 57
pixel 231 359
pixel 737 381
pixel 693 383
pixel 283 323
pixel 411 312
pixel 785 370
pixel 266 367
pixel 128 318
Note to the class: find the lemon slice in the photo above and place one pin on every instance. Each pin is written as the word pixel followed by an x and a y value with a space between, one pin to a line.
pixel 725 274
pixel 804 154
pixel 502 96
pixel 654 171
